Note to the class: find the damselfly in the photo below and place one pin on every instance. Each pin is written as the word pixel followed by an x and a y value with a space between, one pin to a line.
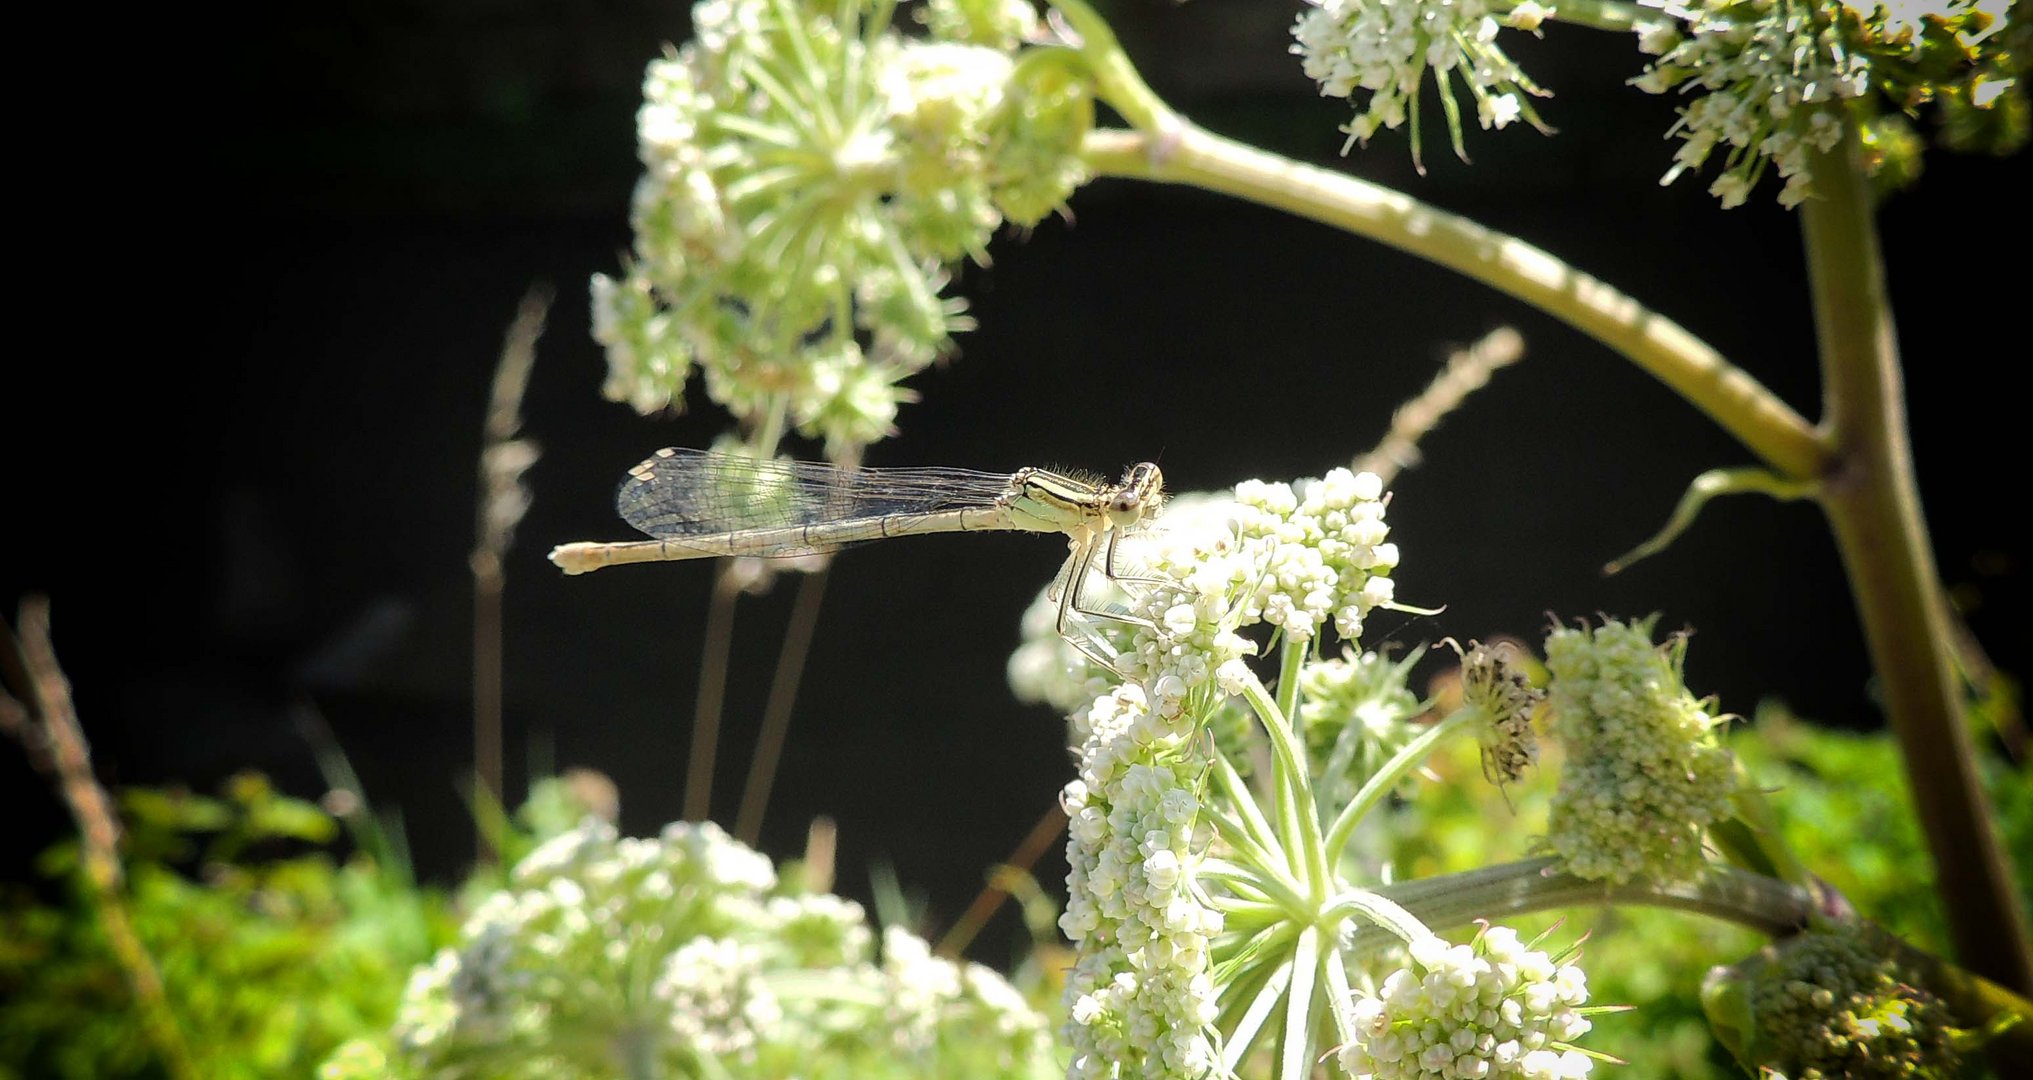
pixel 701 505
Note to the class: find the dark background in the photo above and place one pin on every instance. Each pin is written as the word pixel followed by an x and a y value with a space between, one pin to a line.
pixel 250 480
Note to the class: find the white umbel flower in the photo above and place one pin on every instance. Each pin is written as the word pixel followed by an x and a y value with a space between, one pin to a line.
pixel 1763 78
pixel 1489 1010
pixel 673 951
pixel 1382 49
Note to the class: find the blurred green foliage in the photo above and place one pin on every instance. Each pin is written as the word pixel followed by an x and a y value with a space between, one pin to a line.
pixel 273 949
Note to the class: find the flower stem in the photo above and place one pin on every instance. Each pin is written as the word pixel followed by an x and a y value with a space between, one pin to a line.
pixel 1382 913
pixel 1764 904
pixel 1295 792
pixel 1385 778
pixel 1116 80
pixel 1873 507
pixel 1185 154
pixel 1296 1053
pixel 1261 839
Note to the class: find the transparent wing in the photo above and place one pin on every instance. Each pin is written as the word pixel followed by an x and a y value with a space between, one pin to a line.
pixel 680 492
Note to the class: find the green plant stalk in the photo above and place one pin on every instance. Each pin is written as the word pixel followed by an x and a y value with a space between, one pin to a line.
pixel 1185 154
pixel 1296 1052
pixel 1339 990
pixel 1266 881
pixel 1295 791
pixel 1244 1033
pixel 1262 839
pixel 1763 904
pixel 1382 913
pixel 1396 769
pixel 1291 659
pixel 1873 507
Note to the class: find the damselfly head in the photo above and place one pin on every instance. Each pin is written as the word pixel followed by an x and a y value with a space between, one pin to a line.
pixel 1138 496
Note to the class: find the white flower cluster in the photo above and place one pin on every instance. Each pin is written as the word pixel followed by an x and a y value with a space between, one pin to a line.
pixel 1327 555
pixel 1764 74
pixel 932 1005
pixel 1385 48
pixel 810 175
pixel 1492 1009
pixel 677 950
pixel 1139 996
pixel 719 1001
pixel 1645 771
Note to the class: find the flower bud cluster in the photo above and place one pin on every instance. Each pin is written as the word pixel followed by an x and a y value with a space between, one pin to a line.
pixel 1766 77
pixel 1494 1008
pixel 809 179
pixel 677 950
pixel 1763 75
pixel 1645 771
pixel 1385 48
pixel 1323 548
pixel 1828 1004
pixel 1139 997
pixel 955 1019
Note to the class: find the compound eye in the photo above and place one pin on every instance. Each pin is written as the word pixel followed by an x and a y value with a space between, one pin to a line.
pixel 1124 502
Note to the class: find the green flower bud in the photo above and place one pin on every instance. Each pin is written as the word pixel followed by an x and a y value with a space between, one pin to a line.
pixel 1831 1003
pixel 1645 771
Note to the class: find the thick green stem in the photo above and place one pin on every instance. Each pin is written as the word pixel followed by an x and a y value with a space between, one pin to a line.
pixel 1873 506
pixel 1185 154
pixel 1764 904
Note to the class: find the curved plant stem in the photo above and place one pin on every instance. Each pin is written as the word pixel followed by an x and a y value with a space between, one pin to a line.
pixel 1764 904
pixel 1396 769
pixel 1295 791
pixel 1186 154
pixel 1873 506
